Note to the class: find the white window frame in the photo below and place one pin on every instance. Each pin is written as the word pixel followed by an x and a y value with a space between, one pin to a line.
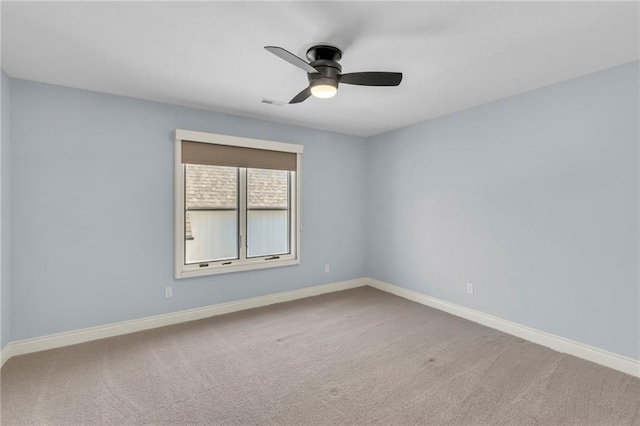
pixel 241 264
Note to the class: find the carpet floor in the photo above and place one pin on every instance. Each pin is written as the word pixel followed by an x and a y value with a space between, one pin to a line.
pixel 359 356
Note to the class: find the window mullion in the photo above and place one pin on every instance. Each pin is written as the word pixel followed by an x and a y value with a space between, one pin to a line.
pixel 242 198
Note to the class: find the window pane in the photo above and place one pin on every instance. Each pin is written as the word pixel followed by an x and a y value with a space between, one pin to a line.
pixel 211 216
pixel 268 212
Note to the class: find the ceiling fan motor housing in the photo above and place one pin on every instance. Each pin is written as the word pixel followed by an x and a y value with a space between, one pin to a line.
pixel 325 60
pixel 330 53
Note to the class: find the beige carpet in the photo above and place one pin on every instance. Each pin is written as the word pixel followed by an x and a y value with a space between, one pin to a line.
pixel 355 357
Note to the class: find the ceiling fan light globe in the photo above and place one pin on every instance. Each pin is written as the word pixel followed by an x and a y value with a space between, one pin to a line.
pixel 324 91
pixel 323 87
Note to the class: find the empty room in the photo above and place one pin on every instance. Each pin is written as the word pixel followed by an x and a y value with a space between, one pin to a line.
pixel 337 213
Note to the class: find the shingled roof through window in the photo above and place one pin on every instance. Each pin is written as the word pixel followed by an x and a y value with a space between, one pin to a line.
pixel 216 187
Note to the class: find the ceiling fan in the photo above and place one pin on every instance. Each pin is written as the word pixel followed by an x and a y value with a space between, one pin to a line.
pixel 325 73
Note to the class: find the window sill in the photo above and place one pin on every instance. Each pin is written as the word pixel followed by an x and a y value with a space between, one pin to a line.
pixel 238 267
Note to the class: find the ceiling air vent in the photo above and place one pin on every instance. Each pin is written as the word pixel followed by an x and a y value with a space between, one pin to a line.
pixel 272 102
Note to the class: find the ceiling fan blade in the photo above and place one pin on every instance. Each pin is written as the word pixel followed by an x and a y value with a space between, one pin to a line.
pixel 372 78
pixel 291 58
pixel 301 96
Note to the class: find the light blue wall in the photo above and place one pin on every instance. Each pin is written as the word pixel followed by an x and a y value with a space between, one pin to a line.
pixel 5 288
pixel 92 209
pixel 534 199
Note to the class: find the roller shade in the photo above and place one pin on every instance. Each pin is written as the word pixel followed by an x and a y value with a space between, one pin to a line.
pixel 235 156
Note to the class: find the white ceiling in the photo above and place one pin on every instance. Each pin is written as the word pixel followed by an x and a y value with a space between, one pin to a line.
pixel 210 55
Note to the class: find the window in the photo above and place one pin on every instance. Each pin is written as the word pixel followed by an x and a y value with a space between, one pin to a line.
pixel 237 204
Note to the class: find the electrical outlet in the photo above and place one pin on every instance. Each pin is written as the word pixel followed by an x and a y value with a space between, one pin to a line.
pixel 326 268
pixel 168 292
pixel 469 288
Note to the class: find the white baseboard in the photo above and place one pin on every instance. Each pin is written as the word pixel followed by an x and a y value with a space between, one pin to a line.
pixel 608 359
pixel 599 356
pixel 52 341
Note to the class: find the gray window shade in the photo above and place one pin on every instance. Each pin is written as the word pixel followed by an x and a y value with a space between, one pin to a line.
pixel 235 156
